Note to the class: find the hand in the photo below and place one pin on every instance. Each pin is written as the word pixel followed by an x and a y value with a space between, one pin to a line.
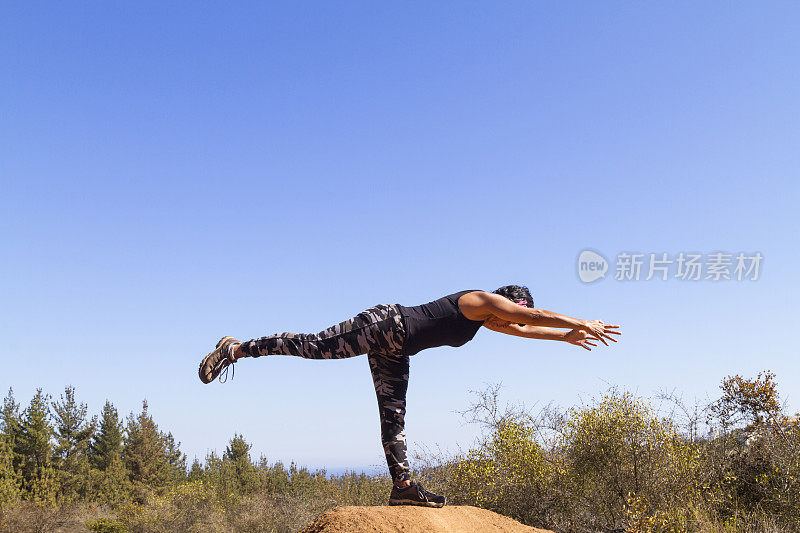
pixel 578 337
pixel 601 331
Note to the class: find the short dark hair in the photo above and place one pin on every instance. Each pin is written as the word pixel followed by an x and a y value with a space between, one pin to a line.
pixel 516 293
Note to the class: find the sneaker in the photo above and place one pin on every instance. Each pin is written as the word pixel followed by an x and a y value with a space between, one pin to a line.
pixel 218 360
pixel 414 494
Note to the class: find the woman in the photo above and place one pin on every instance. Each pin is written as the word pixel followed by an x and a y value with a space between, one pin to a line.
pixel 389 334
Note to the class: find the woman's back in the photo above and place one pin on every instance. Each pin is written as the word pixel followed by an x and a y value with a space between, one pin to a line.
pixel 437 323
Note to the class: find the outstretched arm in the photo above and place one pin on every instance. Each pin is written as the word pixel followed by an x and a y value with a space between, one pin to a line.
pixel 504 309
pixel 529 332
pixel 574 336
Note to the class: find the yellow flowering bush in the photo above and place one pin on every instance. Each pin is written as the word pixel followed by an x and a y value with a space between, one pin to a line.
pixel 620 456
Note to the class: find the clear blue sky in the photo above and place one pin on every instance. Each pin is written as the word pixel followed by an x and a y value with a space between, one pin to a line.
pixel 174 173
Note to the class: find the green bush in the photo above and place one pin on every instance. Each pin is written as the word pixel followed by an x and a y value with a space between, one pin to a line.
pixel 106 525
pixel 622 462
pixel 509 474
pixel 614 464
pixel 189 507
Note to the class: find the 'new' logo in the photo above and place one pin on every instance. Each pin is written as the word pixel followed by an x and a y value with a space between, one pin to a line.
pixel 591 266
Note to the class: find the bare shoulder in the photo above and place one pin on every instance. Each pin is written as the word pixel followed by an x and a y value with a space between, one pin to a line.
pixel 474 305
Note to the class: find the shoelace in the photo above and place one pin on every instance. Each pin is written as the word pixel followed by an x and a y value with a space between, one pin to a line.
pixel 222 367
pixel 424 493
pixel 224 372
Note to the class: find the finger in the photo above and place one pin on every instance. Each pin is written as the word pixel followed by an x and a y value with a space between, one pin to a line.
pixel 591 343
pixel 610 338
pixel 614 332
pixel 603 340
pixel 611 325
pixel 584 346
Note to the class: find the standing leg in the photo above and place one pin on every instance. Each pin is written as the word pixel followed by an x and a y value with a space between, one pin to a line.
pixel 390 376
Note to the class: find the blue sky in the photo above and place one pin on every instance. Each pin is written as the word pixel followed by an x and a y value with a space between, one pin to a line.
pixel 175 173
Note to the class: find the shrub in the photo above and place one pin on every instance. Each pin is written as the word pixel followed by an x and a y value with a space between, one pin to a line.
pixel 106 525
pixel 619 454
pixel 37 517
pixel 190 507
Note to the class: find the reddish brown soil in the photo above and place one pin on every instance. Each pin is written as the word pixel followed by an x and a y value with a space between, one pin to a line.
pixel 410 519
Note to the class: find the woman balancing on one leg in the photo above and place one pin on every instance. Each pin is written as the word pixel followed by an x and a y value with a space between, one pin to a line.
pixel 389 334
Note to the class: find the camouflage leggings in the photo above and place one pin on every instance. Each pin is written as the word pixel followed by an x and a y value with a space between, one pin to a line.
pixel 378 332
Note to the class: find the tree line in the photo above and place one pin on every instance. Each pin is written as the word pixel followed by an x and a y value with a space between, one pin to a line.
pixel 52 450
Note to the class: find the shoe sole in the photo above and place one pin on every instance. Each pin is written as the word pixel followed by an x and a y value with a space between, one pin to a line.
pixel 206 358
pixel 414 502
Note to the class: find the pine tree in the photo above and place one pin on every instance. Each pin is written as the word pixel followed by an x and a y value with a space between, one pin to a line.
pixel 10 480
pixel 73 434
pixel 238 449
pixel 213 473
pixel 113 485
pixel 175 458
pixel 107 442
pixel 196 472
pixel 33 450
pixel 110 478
pixel 153 458
pixel 213 462
pixel 9 416
pixel 239 474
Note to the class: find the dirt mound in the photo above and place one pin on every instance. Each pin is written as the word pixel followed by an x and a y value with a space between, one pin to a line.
pixel 410 519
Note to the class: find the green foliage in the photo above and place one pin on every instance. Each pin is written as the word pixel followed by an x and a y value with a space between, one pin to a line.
pixel 196 472
pixel 106 525
pixel 188 507
pixel 750 400
pixel 618 448
pixel 9 417
pixel 112 485
pixel 110 477
pixel 107 442
pixel 153 458
pixel 33 451
pixel 616 465
pixel 39 517
pixel 73 433
pixel 508 474
pixel 9 480
pixel 753 471
pixel 175 459
pixel 276 478
pixel 239 473
pixel 612 464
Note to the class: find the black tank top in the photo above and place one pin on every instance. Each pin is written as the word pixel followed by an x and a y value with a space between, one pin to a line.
pixel 437 323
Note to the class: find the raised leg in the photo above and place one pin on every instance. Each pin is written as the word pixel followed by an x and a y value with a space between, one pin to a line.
pixel 355 336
